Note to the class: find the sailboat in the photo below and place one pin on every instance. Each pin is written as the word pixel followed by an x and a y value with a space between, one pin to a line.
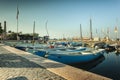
pixel 46 38
pixel 25 47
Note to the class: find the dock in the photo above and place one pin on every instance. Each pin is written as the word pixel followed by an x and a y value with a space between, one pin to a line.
pixel 20 65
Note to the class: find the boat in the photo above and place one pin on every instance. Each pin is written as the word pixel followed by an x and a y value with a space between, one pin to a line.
pixel 21 47
pixel 110 48
pixel 70 49
pixel 70 56
pixel 101 45
pixel 117 48
pixel 91 64
pixel 43 52
pixel 74 57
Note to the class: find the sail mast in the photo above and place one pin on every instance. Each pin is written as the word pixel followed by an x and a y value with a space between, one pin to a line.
pixel 91 29
pixel 81 32
pixel 17 20
pixel 46 28
pixel 117 33
pixel 33 32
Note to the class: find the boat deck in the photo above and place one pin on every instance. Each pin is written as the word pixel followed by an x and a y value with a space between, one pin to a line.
pixel 19 65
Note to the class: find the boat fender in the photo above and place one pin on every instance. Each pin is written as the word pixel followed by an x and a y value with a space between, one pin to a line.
pixel 26 49
pixel 46 54
pixel 96 47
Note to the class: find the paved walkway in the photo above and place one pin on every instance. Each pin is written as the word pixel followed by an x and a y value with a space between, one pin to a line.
pixel 19 65
pixel 14 67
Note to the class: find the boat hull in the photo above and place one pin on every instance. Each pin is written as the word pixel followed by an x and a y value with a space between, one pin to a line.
pixel 20 47
pixel 40 53
pixel 55 50
pixel 72 59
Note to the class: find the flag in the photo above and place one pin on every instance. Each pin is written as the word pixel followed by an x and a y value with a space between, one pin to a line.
pixel 17 13
pixel 116 29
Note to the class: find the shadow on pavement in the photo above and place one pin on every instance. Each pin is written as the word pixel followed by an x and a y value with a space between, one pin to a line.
pixel 11 60
pixel 18 78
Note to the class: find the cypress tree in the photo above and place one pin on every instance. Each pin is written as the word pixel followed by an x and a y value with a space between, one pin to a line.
pixel 1 30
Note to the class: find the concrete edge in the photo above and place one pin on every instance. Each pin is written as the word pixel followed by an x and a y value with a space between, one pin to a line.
pixel 63 70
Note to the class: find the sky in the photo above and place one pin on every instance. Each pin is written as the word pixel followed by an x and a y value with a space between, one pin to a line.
pixel 63 17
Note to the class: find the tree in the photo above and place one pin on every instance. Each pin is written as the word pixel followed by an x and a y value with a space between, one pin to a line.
pixel 9 31
pixel 1 30
pixel 35 34
pixel 12 36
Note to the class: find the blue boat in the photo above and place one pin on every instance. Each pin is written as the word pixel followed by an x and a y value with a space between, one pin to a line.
pixel 69 49
pixel 74 57
pixel 43 52
pixel 91 64
pixel 21 47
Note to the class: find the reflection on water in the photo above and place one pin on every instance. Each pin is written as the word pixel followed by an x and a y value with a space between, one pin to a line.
pixel 91 64
pixel 117 53
pixel 107 65
pixel 110 67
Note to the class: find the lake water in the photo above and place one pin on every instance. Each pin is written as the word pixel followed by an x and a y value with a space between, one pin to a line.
pixel 107 65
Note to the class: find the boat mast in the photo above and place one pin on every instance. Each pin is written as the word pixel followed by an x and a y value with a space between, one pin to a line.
pixel 81 32
pixel 116 31
pixel 108 33
pixel 91 29
pixel 46 28
pixel 17 20
pixel 33 32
